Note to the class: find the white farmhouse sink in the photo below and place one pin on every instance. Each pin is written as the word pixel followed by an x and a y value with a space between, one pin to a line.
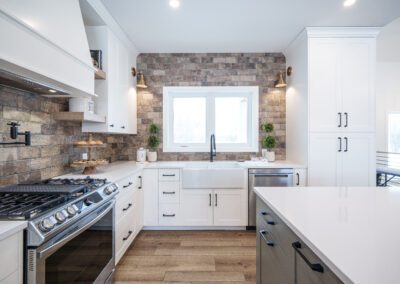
pixel 216 175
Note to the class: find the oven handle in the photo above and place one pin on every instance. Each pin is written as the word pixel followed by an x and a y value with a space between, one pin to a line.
pixel 50 249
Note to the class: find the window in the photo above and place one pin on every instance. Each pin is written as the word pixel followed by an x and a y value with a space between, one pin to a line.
pixel 192 114
pixel 394 132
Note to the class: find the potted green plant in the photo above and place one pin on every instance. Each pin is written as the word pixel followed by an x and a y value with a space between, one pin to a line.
pixel 153 142
pixel 268 143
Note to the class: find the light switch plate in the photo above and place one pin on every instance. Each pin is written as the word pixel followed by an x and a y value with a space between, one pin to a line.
pixel 84 156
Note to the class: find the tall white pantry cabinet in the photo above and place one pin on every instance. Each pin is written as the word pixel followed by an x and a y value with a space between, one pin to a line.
pixel 330 105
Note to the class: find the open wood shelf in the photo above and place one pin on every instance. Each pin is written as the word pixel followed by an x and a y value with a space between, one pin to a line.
pixel 100 75
pixel 79 116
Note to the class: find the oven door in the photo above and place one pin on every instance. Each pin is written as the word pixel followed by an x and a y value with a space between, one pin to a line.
pixel 83 254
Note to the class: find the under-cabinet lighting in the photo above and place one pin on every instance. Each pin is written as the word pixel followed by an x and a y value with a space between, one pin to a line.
pixel 174 3
pixel 52 91
pixel 348 3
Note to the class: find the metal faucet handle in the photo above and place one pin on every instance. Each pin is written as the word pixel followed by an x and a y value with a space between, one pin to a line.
pixel 14 124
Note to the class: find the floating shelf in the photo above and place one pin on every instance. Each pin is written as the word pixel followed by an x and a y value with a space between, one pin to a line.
pixel 100 75
pixel 79 116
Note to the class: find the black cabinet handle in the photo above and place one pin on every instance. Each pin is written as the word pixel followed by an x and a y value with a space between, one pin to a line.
pixel 340 119
pixel 123 127
pixel 111 125
pixel 263 234
pixel 271 223
pixel 346 115
pixel 298 179
pixel 128 185
pixel 171 175
pixel 168 215
pixel 216 200
pixel 209 196
pixel 346 143
pixel 314 266
pixel 141 182
pixel 268 222
pixel 127 237
pixel 340 144
pixel 264 213
pixel 168 192
pixel 127 207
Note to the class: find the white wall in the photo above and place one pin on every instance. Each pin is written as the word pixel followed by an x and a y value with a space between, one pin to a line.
pixel 387 79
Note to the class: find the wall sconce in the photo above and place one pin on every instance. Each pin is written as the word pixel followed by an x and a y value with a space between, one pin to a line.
pixel 141 83
pixel 133 71
pixel 289 71
pixel 281 82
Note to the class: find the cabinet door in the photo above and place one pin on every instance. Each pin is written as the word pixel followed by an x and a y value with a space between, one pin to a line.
pixel 113 101
pixel 196 207
pixel 300 177
pixel 357 69
pixel 358 160
pixel 230 207
pixel 324 98
pixel 150 190
pixel 324 167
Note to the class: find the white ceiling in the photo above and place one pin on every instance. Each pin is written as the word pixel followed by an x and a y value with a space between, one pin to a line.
pixel 238 25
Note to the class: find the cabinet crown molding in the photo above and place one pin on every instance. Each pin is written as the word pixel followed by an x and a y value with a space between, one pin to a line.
pixel 342 32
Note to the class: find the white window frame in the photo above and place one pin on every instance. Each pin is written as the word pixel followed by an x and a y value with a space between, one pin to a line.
pixel 252 94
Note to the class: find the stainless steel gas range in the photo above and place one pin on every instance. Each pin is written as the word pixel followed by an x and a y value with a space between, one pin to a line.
pixel 70 234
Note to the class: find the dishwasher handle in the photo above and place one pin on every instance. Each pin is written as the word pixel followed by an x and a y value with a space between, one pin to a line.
pixel 272 175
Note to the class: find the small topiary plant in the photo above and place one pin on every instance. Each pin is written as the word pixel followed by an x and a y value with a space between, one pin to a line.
pixel 153 142
pixel 269 142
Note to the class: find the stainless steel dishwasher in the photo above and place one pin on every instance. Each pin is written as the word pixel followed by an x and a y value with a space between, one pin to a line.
pixel 263 178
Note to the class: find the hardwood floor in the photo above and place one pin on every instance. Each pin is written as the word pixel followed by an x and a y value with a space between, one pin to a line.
pixel 190 257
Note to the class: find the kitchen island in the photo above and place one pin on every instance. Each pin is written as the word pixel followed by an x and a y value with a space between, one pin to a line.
pixel 350 233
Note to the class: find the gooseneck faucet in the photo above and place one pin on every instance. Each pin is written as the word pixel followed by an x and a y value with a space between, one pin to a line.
pixel 213 149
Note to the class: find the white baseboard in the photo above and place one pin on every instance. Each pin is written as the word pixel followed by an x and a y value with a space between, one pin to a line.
pixel 196 228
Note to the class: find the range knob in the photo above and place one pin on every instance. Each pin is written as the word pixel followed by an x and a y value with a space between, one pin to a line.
pixel 60 217
pixel 109 189
pixel 46 225
pixel 71 211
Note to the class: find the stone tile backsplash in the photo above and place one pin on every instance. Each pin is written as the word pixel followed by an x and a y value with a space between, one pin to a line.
pixel 212 69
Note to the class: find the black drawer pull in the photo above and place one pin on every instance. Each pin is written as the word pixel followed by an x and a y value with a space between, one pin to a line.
pixel 128 185
pixel 298 179
pixel 168 215
pixel 271 223
pixel 168 175
pixel 127 237
pixel 263 234
pixel 264 213
pixel 141 182
pixel 127 207
pixel 314 266
pixel 168 192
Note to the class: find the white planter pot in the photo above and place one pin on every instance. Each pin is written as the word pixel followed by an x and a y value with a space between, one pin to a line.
pixel 270 156
pixel 152 156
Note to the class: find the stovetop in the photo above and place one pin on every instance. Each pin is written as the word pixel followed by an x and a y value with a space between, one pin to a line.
pixel 25 202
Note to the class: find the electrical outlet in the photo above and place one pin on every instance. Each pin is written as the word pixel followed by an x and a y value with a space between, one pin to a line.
pixel 84 156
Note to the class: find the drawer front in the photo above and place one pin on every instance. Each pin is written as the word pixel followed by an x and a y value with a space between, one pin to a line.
pixel 310 269
pixel 124 205
pixel 168 175
pixel 168 191
pixel 11 254
pixel 128 183
pixel 169 214
pixel 125 232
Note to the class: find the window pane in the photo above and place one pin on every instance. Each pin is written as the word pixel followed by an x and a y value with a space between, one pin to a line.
pixel 394 132
pixel 189 120
pixel 231 120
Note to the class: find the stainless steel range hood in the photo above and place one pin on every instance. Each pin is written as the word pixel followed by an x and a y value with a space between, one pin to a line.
pixel 27 84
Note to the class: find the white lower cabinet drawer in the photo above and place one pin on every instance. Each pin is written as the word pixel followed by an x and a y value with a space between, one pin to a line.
pixel 124 205
pixel 168 191
pixel 168 214
pixel 168 175
pixel 125 232
pixel 11 257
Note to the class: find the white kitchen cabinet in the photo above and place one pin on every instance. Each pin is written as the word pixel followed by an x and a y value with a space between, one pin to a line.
pixel 197 207
pixel 230 207
pixel 300 177
pixel 150 191
pixel 344 160
pixel 331 101
pixel 117 93
pixel 11 270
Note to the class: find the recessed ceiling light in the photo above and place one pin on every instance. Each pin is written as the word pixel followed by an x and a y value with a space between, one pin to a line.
pixel 174 3
pixel 52 91
pixel 348 3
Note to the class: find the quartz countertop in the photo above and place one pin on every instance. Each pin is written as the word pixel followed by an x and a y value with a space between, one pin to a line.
pixel 118 170
pixel 8 228
pixel 354 230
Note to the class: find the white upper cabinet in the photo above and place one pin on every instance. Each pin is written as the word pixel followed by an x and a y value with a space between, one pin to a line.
pixel 341 84
pixel 46 42
pixel 116 94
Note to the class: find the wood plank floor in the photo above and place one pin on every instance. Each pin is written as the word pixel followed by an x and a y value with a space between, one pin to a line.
pixel 190 257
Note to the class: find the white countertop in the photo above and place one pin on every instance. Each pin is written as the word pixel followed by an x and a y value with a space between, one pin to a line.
pixel 121 169
pixel 8 228
pixel 355 230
